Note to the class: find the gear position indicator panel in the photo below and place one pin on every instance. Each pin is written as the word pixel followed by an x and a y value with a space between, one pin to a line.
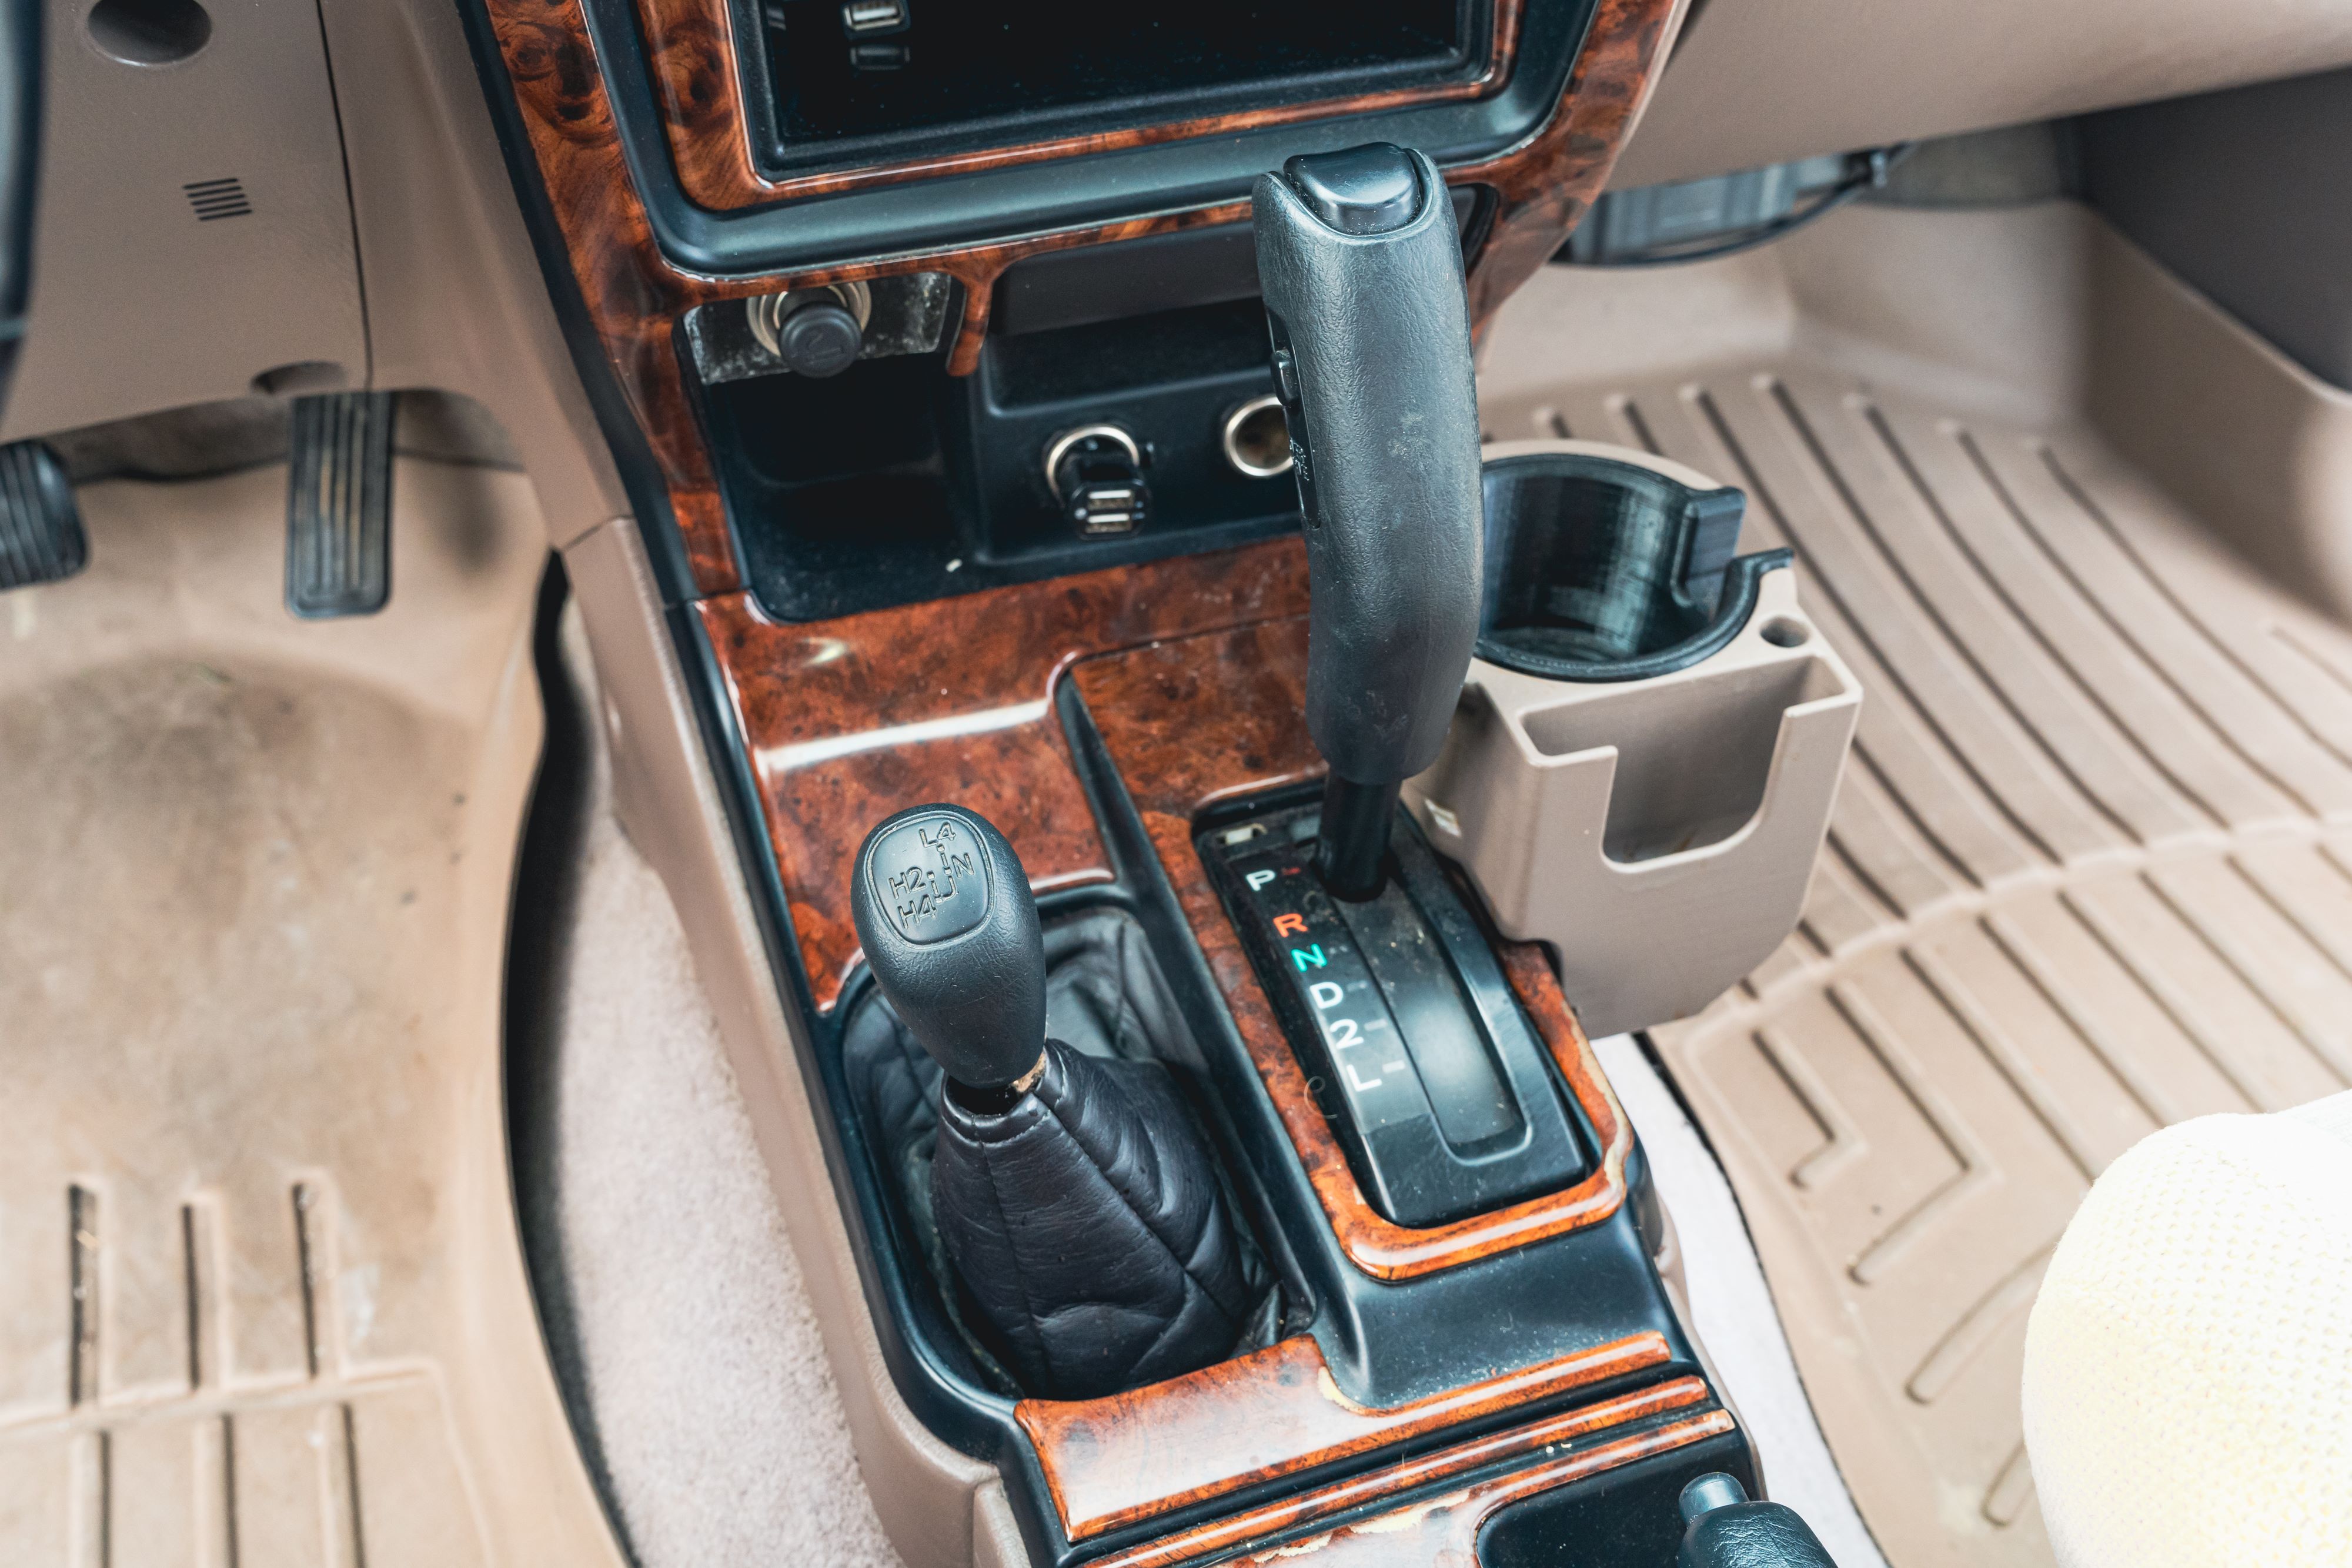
pixel 1412 1042
pixel 1361 1039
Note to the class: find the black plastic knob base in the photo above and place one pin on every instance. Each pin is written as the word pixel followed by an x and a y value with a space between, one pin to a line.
pixel 1352 854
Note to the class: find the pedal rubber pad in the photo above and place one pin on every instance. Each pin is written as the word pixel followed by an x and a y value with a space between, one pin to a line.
pixel 338 506
pixel 41 536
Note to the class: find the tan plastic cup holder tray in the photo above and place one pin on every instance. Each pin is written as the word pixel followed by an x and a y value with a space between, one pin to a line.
pixel 1657 831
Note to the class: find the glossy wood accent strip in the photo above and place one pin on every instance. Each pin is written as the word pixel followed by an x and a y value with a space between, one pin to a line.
pixel 1293 1514
pixel 1444 1531
pixel 635 298
pixel 1258 1418
pixel 1195 721
pixel 849 720
pixel 1545 186
pixel 699 84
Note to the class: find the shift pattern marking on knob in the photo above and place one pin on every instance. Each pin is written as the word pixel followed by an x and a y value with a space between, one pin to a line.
pixel 927 875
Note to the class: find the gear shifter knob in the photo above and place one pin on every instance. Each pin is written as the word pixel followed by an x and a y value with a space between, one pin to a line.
pixel 943 909
pixel 1362 272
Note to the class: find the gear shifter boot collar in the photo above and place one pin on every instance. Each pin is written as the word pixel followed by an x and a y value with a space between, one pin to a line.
pixel 1086 1225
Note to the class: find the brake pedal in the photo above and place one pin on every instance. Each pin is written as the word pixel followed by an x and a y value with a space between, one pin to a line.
pixel 338 506
pixel 41 536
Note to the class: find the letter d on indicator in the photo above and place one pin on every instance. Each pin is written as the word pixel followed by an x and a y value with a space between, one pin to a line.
pixel 1325 995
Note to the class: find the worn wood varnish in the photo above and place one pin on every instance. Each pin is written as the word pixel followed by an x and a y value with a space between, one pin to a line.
pixel 1258 1419
pixel 635 298
pixel 1193 721
pixel 1443 1531
pixel 697 77
pixel 1308 1508
pixel 849 720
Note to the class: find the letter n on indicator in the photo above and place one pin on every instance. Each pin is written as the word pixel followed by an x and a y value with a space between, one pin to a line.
pixel 1309 957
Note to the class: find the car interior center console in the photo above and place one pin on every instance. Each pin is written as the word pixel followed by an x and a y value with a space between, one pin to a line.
pixel 1081 524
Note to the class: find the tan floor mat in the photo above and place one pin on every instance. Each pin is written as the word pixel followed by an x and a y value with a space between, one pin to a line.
pixel 2091 867
pixel 261 1301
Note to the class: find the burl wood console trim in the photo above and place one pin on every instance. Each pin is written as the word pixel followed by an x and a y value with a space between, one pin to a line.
pixel 635 298
pixel 849 720
pixel 1345 1497
pixel 1262 1417
pixel 1544 186
pixel 699 83
pixel 1193 721
pixel 1444 1529
pixel 1194 672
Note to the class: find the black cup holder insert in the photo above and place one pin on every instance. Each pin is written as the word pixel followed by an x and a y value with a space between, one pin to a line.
pixel 1601 570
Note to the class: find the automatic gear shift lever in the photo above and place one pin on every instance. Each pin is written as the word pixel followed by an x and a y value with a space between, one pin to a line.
pixel 1363 271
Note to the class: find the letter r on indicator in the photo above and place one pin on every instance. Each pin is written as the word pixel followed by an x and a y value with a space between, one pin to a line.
pixel 1289 924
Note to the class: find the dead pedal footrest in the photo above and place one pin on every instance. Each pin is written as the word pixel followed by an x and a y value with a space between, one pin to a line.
pixel 338 506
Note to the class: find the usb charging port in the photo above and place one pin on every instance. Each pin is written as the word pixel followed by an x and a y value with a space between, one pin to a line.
pixel 870 17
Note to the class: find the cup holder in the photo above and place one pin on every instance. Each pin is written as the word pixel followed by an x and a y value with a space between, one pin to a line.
pixel 1599 568
pixel 1651 738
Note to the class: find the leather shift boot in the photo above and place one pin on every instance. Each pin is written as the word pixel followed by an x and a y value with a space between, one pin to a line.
pixel 1088 1229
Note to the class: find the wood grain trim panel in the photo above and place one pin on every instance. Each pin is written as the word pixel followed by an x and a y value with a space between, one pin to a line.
pixel 1444 1529
pixel 1261 1417
pixel 1344 1497
pixel 1193 721
pixel 849 720
pixel 1544 187
pixel 699 82
pixel 635 298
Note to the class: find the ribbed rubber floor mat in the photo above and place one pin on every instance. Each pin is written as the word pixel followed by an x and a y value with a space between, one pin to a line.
pixel 2090 872
pixel 261 1295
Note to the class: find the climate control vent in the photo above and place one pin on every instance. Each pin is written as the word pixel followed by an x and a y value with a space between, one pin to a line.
pixel 217 199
